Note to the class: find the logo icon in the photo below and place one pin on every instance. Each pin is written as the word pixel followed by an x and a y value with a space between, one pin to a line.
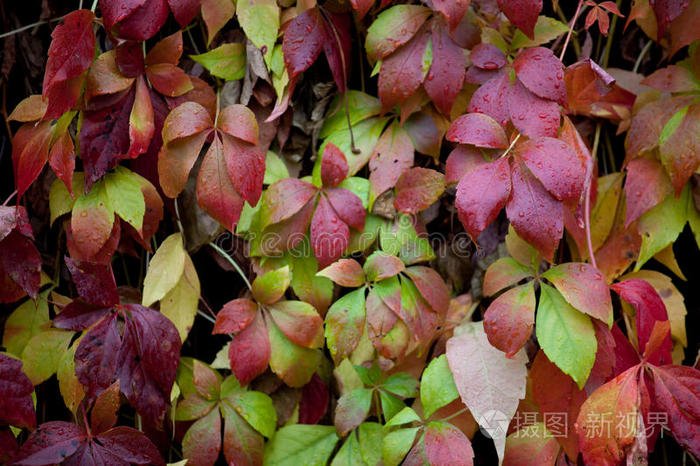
pixel 494 424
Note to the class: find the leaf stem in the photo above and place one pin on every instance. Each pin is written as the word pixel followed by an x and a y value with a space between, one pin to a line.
pixel 233 263
pixel 94 6
pixel 571 29
pixel 608 42
pixel 206 316
pixel 9 198
pixel 587 202
pixel 642 54
pixel 29 26
pixel 512 144
pixel 453 415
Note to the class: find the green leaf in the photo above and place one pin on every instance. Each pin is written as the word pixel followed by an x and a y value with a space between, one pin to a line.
pixel 566 335
pixel 661 225
pixel 437 387
pixel 275 169
pixel 366 135
pixel 42 355
pixel 202 441
pixel 225 62
pixel 180 304
pixel 396 444
pixel 359 186
pixel 165 270
pixel 370 377
pixel 270 287
pixel 370 435
pixel 292 363
pixel 392 28
pixel 257 409
pixel 25 322
pixel 310 445
pixel 401 384
pixel 416 250
pixel 260 20
pixel 345 323
pixel 392 236
pixel 405 416
pixel 350 453
pixel 546 29
pixel 125 196
pixel 672 125
pixel 60 200
pixel 68 384
pixel 362 240
pixel 352 409
pixel 316 290
pixel 361 105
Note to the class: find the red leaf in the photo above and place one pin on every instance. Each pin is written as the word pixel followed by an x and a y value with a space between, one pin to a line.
pixel 446 76
pixel 30 151
pixel 104 411
pixel 679 152
pixel 361 7
pixel 492 98
pixel 417 189
pixel 590 90
pixel 558 167
pixel 481 195
pixel 348 206
pixel 70 55
pixel 478 129
pixel 141 126
pixel 625 354
pixel 339 57
pixel 246 168
pixel 130 445
pixel 380 265
pixel 249 351
pixel 584 287
pixel 134 19
pixel 393 154
pixel 453 10
pixel 51 443
pixel 542 73
pixel 402 72
pixel 556 392
pixel 8 445
pixel 79 315
pixel 16 404
pixel 235 316
pixel 666 11
pixel 673 78
pixel 334 165
pixel 201 93
pixel 522 13
pixel 147 361
pixel 461 161
pixel 94 282
pixel 604 366
pixel 446 444
pixel 509 319
pixel 21 260
pixel 216 195
pixel 650 308
pixel 536 216
pixel 314 401
pixel 104 134
pixel 303 41
pixel 677 392
pixel 329 234
pixel 646 185
pixel 239 121
pixel 184 11
pixel 129 58
pixel 646 126
pixel 488 57
pixel 96 356
pixel 532 115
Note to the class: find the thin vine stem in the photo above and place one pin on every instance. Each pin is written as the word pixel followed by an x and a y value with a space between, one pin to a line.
pixel 571 29
pixel 9 198
pixel 29 26
pixel 587 202
pixel 642 54
pixel 453 415
pixel 235 265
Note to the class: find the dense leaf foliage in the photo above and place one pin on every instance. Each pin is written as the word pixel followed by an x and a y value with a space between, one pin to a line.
pixel 448 221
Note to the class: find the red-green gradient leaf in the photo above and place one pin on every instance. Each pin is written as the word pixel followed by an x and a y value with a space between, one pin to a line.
pixel 431 286
pixel 235 316
pixel 680 151
pixel 380 265
pixel 352 409
pixel 70 55
pixel 392 155
pixel 216 194
pixel 249 351
pixel 242 444
pixel 283 199
pixel 478 129
pixel 509 319
pixel 503 273
pixel 344 272
pixel 446 76
pixel 329 234
pixel 536 216
pixel 393 28
pixel 481 194
pixel 16 404
pixel 202 441
pixel 522 13
pixel 584 287
pixel 141 124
